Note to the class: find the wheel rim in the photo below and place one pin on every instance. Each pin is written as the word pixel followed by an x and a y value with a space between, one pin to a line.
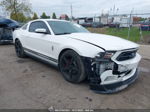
pixel 18 48
pixel 69 67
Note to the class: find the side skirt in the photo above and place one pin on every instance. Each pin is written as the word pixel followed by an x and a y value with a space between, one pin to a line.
pixel 41 57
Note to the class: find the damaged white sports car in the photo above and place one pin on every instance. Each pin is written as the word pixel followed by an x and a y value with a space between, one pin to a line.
pixel 110 63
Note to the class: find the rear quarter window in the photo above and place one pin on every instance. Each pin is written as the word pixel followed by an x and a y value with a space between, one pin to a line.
pixel 25 27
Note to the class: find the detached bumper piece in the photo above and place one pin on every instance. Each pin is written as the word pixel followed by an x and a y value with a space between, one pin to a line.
pixel 112 88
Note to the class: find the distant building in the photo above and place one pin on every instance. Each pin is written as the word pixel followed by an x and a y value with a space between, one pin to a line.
pixel 104 19
pixel 117 19
pixel 64 17
pixel 89 19
pixel 81 20
pixel 85 20
pixel 97 19
pixel 126 22
pixel 123 20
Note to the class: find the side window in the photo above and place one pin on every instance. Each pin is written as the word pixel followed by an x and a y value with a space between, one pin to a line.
pixel 25 27
pixel 38 24
pixel 33 26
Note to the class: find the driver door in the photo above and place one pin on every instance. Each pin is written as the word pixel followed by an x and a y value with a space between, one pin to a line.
pixel 39 43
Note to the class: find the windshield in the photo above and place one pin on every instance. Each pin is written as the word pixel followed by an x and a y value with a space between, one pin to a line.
pixel 63 27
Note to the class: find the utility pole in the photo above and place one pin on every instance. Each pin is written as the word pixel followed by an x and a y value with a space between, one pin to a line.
pixel 71 12
pixel 117 11
pixel 129 23
pixel 94 17
pixel 114 10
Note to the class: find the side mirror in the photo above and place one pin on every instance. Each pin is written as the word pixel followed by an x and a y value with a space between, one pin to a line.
pixel 41 30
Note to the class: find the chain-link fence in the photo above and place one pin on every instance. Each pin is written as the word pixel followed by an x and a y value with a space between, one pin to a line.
pixel 134 27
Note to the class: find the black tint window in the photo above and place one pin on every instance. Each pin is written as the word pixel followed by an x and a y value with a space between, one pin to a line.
pixel 36 25
pixel 62 27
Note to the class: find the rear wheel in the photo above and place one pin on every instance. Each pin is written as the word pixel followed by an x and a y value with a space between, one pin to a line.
pixel 72 67
pixel 19 49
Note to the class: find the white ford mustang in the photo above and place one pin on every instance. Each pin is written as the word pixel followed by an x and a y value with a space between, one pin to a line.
pixel 110 63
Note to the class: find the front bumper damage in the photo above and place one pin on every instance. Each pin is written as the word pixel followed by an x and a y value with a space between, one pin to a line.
pixel 114 87
pixel 111 76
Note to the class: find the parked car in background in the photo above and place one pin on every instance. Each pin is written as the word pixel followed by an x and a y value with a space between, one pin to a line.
pixel 145 26
pixel 7 26
pixel 6 35
pixel 140 22
pixel 110 63
pixel 97 25
pixel 87 24
pixel 114 25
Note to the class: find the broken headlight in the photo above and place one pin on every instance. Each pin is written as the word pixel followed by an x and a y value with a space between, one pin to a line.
pixel 105 55
pixel 104 61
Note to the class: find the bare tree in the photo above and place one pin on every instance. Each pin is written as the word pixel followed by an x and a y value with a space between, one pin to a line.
pixel 16 6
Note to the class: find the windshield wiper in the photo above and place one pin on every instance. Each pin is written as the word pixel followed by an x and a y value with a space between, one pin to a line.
pixel 62 33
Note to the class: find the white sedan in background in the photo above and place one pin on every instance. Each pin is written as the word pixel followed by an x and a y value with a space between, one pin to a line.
pixel 110 63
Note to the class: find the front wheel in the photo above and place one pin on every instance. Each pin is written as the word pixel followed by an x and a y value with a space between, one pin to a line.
pixel 72 67
pixel 19 49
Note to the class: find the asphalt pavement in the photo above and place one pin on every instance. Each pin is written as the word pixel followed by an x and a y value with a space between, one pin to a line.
pixel 29 84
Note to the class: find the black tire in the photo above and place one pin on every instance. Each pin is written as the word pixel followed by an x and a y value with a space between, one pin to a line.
pixel 19 49
pixel 72 67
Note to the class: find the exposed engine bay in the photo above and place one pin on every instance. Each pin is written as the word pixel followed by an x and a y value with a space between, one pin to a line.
pixel 121 67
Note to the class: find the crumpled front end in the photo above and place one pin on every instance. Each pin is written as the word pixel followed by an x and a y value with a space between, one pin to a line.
pixel 112 71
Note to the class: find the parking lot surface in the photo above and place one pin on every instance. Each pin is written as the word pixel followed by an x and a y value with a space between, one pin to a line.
pixel 29 84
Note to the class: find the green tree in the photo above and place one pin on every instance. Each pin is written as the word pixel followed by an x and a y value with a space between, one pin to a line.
pixel 54 16
pixel 28 18
pixel 35 16
pixel 20 17
pixel 16 7
pixel 44 16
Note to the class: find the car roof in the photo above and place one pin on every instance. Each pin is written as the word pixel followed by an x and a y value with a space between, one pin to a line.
pixel 49 20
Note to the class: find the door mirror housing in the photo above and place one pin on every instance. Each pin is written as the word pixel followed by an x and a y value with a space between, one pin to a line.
pixel 41 30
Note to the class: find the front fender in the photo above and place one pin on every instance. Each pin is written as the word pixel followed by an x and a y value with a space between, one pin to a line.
pixel 82 48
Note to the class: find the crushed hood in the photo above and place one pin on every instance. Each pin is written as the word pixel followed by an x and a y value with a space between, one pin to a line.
pixel 107 42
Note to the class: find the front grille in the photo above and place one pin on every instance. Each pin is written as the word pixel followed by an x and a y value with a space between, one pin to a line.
pixel 126 55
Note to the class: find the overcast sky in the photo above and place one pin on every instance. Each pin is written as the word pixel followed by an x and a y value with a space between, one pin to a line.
pixel 89 7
